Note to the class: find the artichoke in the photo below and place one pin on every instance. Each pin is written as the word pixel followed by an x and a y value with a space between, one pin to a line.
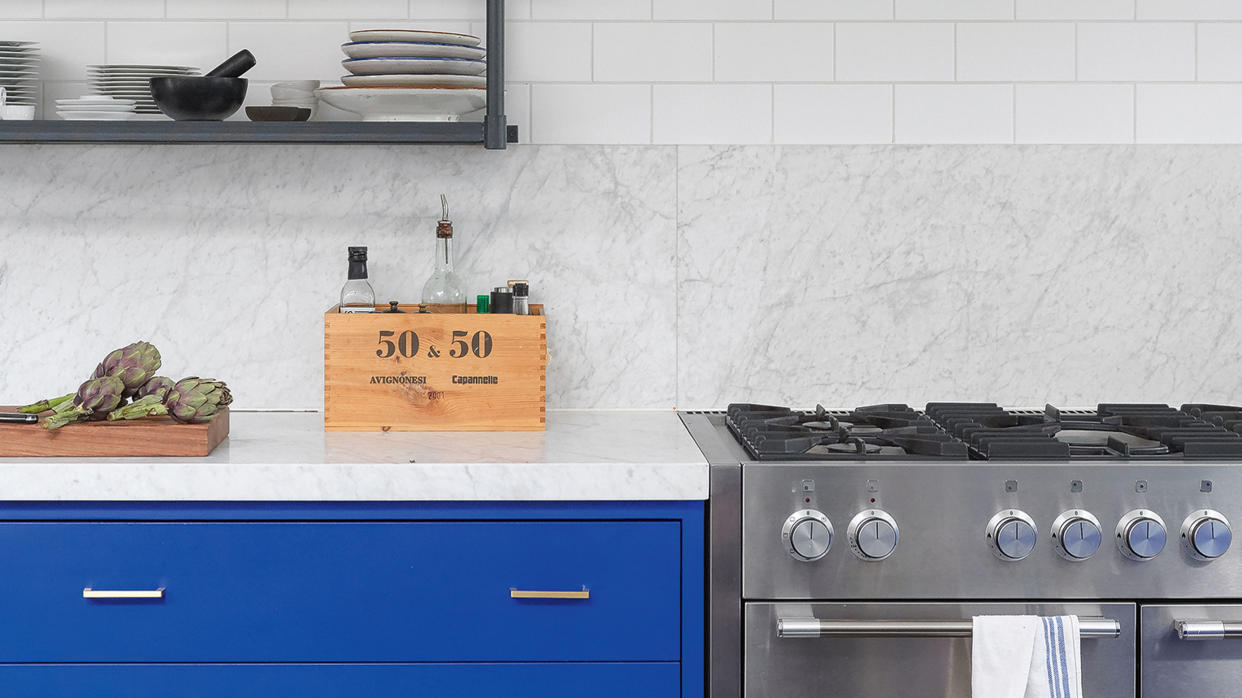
pixel 196 400
pixel 94 399
pixel 192 400
pixel 157 386
pixel 134 365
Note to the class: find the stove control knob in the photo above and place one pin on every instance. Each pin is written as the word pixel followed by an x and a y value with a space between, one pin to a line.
pixel 1141 535
pixel 1076 535
pixel 1206 534
pixel 872 535
pixel 1011 533
pixel 807 535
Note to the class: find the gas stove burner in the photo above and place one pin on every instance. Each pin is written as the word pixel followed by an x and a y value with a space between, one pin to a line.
pixel 1110 431
pixel 886 431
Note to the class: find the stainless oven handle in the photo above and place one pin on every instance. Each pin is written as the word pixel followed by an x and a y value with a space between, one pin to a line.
pixel 1207 630
pixel 1088 628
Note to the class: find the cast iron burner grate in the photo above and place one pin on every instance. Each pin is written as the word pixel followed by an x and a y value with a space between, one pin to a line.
pixel 1112 430
pixel 884 432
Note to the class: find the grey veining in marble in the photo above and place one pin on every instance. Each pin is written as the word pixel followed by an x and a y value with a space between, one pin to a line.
pixel 583 455
pixel 852 275
pixel 227 256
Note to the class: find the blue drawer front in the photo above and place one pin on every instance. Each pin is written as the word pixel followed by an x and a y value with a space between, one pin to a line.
pixel 334 681
pixel 341 592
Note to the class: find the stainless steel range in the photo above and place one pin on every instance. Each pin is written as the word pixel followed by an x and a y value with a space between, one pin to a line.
pixel 850 548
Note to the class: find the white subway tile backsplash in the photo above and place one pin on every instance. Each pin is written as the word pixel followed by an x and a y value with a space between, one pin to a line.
pixel 774 52
pixel 1220 52
pixel 653 52
pixel 202 45
pixel 548 51
pixel 954 114
pixel 227 9
pixel 954 9
pixel 66 48
pixel 291 50
pixel 99 9
pixel 1075 9
pixel 1136 51
pixel 21 9
pixel 596 9
pixel 1189 9
pixel 712 114
pixel 833 9
pixel 335 9
pixel 1074 113
pixel 1005 51
pixel 809 114
pixel 591 114
pixel 712 9
pixel 1189 114
pixel 901 51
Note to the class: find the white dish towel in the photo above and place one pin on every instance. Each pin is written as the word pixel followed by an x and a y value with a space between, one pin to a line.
pixel 1025 657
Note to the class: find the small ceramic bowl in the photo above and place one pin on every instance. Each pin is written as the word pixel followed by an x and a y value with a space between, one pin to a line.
pixel 277 113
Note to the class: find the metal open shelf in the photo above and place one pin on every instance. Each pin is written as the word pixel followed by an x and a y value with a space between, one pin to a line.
pixel 493 132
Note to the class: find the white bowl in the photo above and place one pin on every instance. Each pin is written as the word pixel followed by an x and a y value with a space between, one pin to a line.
pixel 405 103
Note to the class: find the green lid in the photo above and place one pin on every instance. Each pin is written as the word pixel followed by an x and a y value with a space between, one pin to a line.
pixel 484 303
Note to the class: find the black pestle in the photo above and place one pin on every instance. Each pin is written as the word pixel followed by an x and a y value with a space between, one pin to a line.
pixel 234 67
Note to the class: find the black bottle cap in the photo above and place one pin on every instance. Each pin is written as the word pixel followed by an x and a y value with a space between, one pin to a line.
pixel 521 289
pixel 357 254
pixel 392 308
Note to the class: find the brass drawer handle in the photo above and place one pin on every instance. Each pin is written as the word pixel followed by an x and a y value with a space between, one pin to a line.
pixel 89 593
pixel 521 594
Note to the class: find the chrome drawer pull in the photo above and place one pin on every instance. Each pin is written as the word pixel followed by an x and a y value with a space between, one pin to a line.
pixel 1207 630
pixel 814 627
pixel 521 594
pixel 89 593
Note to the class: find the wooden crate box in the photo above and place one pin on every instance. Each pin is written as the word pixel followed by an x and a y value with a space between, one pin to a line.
pixel 416 371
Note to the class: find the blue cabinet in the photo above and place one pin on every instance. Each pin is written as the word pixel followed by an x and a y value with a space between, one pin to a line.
pixel 383 599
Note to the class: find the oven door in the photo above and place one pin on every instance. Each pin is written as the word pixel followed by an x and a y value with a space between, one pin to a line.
pixel 924 650
pixel 1192 651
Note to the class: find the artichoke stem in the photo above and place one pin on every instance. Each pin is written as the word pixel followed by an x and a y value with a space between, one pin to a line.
pixel 60 419
pixel 45 405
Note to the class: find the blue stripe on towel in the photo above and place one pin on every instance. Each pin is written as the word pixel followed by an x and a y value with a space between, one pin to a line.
pixel 1052 684
pixel 1061 654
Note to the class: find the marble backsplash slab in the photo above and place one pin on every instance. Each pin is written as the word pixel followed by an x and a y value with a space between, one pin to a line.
pixel 1016 274
pixel 227 256
pixel 674 276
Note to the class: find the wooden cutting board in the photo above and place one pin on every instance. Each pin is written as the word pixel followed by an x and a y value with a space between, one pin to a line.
pixel 147 437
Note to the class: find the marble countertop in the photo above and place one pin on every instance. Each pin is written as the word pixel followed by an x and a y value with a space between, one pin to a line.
pixel 286 456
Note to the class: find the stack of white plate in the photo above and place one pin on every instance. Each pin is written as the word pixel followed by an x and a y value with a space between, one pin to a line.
pixel 411 75
pixel 19 71
pixel 95 108
pixel 134 82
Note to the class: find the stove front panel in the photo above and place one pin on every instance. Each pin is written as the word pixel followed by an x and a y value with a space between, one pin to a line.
pixel 946 521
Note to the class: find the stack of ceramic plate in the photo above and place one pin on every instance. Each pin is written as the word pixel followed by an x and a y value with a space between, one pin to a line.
pixel 19 71
pixel 95 108
pixel 410 75
pixel 134 82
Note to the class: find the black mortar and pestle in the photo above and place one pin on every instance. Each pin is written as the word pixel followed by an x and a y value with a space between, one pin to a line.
pixel 211 97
